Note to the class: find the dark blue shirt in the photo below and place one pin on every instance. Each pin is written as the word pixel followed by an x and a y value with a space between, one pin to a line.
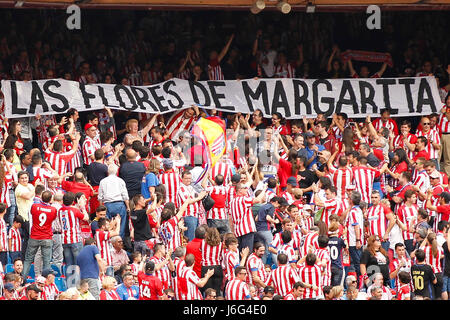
pixel 262 224
pixel 336 244
pixel 88 263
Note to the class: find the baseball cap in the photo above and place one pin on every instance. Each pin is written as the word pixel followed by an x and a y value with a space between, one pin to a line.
pixel 292 181
pixel 307 207
pixel 236 178
pixel 9 287
pixel 88 126
pixel 350 187
pixel 435 174
pixel 47 272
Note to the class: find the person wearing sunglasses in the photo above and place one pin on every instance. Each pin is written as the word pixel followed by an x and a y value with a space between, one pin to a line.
pixel 434 141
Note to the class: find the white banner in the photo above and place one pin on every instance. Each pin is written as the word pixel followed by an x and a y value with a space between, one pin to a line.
pixel 293 98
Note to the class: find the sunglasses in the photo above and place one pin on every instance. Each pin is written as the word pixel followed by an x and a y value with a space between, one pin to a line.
pixel 426 123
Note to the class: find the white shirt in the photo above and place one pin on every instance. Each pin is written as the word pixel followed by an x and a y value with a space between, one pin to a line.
pixel 112 188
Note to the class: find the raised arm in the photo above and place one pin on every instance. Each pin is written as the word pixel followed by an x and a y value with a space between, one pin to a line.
pixel 225 49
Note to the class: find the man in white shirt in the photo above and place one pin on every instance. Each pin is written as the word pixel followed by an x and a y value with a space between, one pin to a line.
pixel 112 192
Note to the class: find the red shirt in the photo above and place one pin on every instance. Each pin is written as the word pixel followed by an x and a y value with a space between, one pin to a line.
pixel 77 187
pixel 444 211
pixel 423 154
pixel 42 215
pixel 150 287
pixel 194 247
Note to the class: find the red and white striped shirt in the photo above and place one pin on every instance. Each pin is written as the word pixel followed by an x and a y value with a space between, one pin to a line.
pixel 170 180
pixel 16 240
pixel 211 255
pixel 289 251
pixel 184 193
pixel 241 214
pixel 155 76
pixel 104 246
pixel 295 242
pixel 432 135
pixel 8 183
pixel 323 255
pixel 89 147
pixel 42 174
pixel 408 216
pixel 76 160
pixel 283 279
pixel 220 196
pixel 179 283
pixel 422 180
pixel 164 273
pixel 50 292
pixel 378 223
pixel 341 178
pixel 407 268
pixel 192 279
pixel 3 236
pixel 229 263
pixel 434 262
pixel 363 179
pixel 331 206
pixel 390 124
pixel 443 125
pixel 354 218
pixel 404 292
pixel 311 275
pixel 224 169
pixel 178 123
pixel 286 70
pixel 170 234
pixel 255 263
pixel 309 240
pixel 58 160
pixel 398 143
pixel 215 70
pixel 237 290
pixel 69 218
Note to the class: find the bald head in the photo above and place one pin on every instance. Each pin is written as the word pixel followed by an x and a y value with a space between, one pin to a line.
pixel 131 154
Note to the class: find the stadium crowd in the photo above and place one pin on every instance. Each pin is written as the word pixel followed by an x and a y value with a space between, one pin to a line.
pixel 117 205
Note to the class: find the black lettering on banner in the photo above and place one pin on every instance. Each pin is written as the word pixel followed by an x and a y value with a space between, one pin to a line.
pixel 407 82
pixel 158 99
pixel 279 99
pixel 101 93
pixel 424 89
pixel 55 95
pixel 117 89
pixel 367 99
pixel 251 95
pixel 86 96
pixel 217 96
pixel 14 107
pixel 347 88
pixel 193 85
pixel 166 88
pixel 387 101
pixel 327 100
pixel 142 98
pixel 37 98
pixel 299 99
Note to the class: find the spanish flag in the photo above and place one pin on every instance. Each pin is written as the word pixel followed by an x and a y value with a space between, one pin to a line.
pixel 212 135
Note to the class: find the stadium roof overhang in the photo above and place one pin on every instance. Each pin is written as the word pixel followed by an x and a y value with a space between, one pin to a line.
pixel 297 5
